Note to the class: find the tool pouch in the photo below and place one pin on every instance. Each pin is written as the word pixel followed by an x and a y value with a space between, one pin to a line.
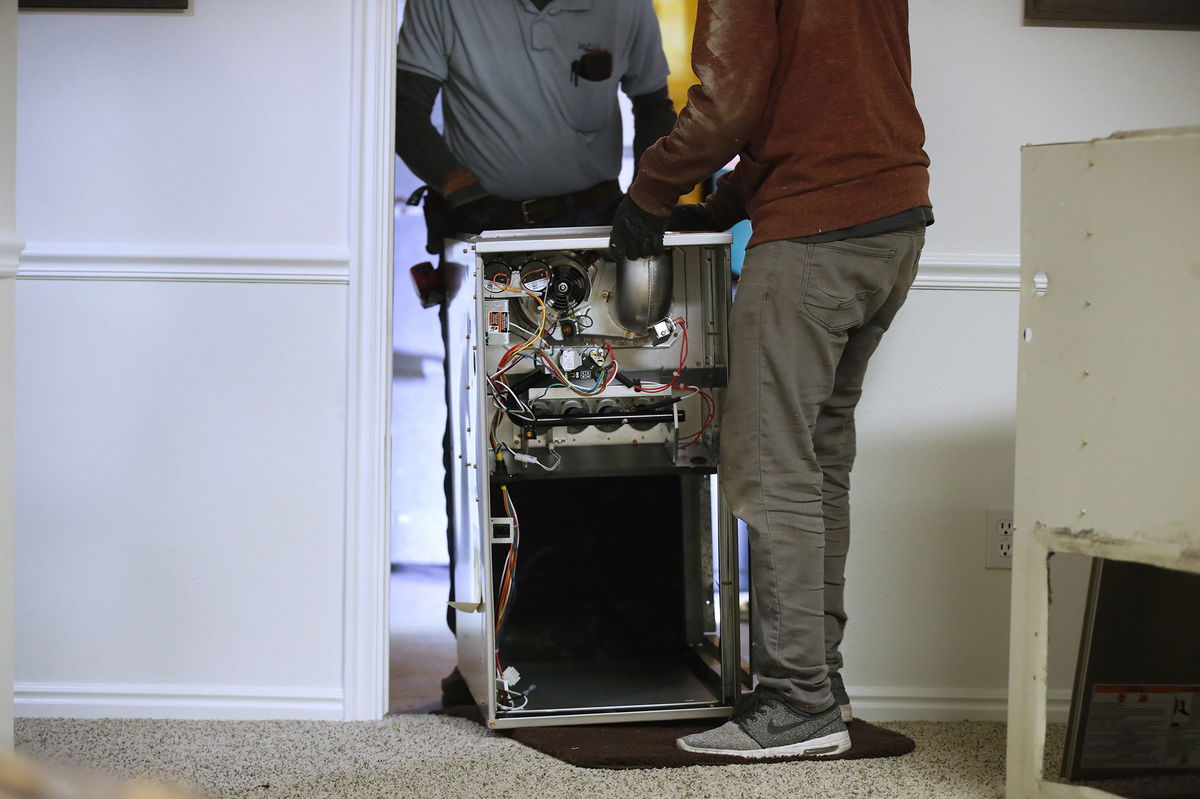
pixel 437 218
pixel 428 281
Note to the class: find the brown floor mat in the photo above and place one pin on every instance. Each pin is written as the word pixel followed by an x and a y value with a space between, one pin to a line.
pixel 620 746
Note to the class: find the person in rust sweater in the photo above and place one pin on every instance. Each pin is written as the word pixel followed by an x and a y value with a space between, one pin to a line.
pixel 815 98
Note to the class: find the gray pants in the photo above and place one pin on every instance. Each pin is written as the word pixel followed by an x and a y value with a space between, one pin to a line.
pixel 806 319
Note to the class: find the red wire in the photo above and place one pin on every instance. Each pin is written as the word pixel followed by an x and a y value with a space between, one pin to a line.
pixel 710 413
pixel 683 353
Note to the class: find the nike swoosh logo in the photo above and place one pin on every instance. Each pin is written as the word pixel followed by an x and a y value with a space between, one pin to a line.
pixel 779 729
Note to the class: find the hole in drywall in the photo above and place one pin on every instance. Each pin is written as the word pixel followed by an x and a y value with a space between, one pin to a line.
pixel 1041 282
pixel 1028 334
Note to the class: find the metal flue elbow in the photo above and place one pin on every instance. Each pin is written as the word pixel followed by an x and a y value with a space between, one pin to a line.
pixel 643 291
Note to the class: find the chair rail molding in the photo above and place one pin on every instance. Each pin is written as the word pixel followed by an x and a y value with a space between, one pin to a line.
pixel 180 262
pixel 969 272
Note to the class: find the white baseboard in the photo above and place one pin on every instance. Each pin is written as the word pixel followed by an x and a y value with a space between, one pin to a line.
pixel 913 704
pixel 99 700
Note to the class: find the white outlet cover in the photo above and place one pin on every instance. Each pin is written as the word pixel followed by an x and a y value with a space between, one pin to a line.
pixel 998 538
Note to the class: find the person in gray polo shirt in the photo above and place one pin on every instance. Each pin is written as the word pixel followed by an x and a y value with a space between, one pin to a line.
pixel 533 134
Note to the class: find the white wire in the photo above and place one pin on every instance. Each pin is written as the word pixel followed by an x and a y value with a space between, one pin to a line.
pixel 510 692
pixel 535 461
pixel 511 323
pixel 496 401
pixel 512 509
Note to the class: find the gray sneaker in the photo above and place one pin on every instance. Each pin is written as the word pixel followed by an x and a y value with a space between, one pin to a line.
pixel 838 689
pixel 763 726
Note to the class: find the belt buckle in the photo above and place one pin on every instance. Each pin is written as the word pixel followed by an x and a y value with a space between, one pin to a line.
pixel 525 204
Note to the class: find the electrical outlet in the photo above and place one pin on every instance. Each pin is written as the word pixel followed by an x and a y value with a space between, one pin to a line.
pixel 999 538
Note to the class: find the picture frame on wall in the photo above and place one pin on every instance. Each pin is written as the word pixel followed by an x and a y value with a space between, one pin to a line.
pixel 1141 13
pixel 108 5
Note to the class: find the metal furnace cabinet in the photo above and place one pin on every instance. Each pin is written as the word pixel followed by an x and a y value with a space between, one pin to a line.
pixel 595 560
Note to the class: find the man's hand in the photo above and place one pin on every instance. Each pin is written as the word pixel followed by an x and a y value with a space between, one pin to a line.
pixel 635 233
pixel 691 216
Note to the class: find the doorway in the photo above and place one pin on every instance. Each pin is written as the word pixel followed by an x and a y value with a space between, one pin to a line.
pixel 421 647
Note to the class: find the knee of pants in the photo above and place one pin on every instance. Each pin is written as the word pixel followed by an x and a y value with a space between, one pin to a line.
pixel 737 494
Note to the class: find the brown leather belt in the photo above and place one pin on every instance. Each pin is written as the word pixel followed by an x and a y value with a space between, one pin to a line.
pixel 542 209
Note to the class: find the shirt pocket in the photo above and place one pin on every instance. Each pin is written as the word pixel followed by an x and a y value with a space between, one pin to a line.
pixel 844 283
pixel 591 104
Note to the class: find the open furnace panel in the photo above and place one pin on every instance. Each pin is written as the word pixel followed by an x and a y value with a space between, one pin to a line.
pixel 595 560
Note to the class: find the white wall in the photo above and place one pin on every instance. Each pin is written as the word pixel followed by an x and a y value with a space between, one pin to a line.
pixel 227 125
pixel 928 630
pixel 9 248
pixel 987 85
pixel 181 446
pixel 935 431
pixel 182 463
pixel 184 185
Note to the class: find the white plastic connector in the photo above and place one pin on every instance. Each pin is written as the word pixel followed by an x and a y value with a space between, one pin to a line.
pixel 510 676
pixel 522 457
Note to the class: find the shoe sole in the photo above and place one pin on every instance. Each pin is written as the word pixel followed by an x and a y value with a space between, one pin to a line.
pixel 826 746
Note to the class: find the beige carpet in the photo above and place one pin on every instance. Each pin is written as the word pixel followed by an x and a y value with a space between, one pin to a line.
pixel 430 756
pixel 434 756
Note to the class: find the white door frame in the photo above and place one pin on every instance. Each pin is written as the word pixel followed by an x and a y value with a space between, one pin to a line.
pixel 10 251
pixel 369 362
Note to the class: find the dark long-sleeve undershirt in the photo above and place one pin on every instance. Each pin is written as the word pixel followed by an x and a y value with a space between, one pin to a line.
pixel 653 118
pixel 418 143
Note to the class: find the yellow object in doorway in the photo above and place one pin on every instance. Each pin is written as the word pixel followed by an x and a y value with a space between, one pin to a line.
pixel 677 20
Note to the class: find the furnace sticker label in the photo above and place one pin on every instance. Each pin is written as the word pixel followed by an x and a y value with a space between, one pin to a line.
pixel 1142 726
pixel 497 321
pixel 496 329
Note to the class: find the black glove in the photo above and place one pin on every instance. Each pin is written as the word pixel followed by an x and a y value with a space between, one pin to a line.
pixel 691 216
pixel 635 233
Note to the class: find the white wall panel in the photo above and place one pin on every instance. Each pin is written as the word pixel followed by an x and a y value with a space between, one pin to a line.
pixel 935 432
pixel 186 182
pixel 228 124
pixel 179 496
pixel 987 85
